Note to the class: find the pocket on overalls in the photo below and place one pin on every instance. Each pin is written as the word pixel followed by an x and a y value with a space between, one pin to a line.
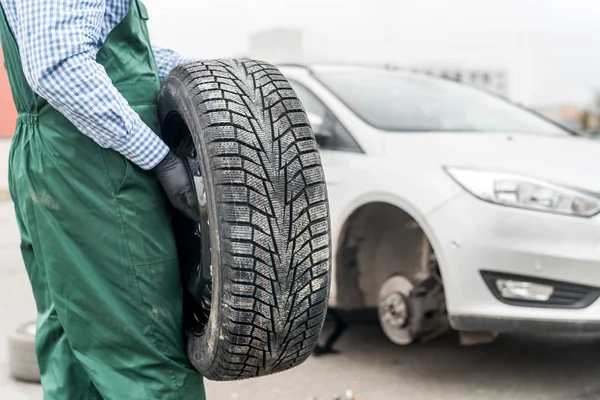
pixel 146 217
pixel 117 169
pixel 161 290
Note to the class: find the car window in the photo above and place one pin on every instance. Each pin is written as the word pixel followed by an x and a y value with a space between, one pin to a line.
pixel 339 138
pixel 400 102
pixel 311 103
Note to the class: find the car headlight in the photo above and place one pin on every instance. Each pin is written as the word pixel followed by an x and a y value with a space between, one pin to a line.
pixel 519 191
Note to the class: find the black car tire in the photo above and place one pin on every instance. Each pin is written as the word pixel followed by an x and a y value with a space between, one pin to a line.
pixel 267 232
pixel 22 359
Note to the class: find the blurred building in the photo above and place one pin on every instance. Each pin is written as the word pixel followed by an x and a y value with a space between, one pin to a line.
pixel 8 114
pixel 287 46
pixel 493 80
pixel 277 46
pixel 573 117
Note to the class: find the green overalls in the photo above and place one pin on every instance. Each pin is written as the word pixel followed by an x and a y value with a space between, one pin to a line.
pixel 97 242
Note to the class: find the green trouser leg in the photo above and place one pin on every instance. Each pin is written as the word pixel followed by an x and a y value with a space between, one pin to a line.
pixel 51 343
pixel 105 278
pixel 97 241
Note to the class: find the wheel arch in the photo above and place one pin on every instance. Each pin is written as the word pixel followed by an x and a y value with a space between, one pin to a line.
pixel 342 244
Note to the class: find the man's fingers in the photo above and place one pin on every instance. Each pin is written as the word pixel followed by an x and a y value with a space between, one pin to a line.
pixel 192 210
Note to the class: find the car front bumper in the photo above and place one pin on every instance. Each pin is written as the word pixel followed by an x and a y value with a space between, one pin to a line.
pixel 525 325
pixel 471 236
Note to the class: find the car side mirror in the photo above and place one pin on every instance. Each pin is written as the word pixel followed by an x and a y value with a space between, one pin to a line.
pixel 322 134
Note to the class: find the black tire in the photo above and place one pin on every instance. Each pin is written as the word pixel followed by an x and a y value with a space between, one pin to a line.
pixel 22 359
pixel 267 217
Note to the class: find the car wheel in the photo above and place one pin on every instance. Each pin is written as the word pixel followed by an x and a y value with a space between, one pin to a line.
pixel 256 269
pixel 22 359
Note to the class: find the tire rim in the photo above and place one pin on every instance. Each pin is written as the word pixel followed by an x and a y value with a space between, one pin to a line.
pixel 202 232
pixel 196 268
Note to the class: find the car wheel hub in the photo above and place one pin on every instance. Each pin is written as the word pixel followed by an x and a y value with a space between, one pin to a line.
pixel 394 309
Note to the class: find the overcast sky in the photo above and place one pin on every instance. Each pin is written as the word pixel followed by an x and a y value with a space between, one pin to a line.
pixel 550 47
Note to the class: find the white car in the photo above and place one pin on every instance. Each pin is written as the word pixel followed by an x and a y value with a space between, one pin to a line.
pixel 452 207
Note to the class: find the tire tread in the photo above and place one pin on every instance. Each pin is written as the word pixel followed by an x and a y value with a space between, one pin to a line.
pixel 274 215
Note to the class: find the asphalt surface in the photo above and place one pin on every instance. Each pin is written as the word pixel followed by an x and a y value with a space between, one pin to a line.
pixel 514 367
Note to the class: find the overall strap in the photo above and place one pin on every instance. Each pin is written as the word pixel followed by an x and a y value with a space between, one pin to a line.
pixel 26 100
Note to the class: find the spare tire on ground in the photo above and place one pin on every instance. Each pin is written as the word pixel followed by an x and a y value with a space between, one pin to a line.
pixel 256 269
pixel 22 359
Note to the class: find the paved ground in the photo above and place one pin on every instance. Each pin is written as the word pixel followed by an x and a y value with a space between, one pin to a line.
pixel 515 367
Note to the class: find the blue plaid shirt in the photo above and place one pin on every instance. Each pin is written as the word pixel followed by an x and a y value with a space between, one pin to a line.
pixel 58 41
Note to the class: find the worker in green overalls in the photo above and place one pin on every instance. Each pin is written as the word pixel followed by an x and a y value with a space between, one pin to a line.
pixel 90 178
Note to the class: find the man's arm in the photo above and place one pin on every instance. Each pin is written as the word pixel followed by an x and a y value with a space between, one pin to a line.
pixel 167 59
pixel 58 42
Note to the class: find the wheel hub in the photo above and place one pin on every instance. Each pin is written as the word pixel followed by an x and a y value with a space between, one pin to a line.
pixel 395 310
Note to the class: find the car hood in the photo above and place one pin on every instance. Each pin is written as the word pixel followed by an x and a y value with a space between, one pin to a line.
pixel 569 160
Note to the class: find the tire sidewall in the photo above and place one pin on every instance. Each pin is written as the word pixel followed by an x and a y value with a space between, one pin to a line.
pixel 174 97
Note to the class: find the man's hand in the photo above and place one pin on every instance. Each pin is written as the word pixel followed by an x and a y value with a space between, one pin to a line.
pixel 175 179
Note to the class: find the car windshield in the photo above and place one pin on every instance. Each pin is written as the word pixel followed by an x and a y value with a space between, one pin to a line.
pixel 400 102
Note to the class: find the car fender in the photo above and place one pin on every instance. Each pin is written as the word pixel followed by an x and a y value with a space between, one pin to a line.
pixel 389 198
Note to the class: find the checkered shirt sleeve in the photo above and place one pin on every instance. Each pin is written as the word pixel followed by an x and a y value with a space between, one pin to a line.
pixel 58 41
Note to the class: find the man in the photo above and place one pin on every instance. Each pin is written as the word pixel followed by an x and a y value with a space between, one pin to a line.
pixel 88 177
